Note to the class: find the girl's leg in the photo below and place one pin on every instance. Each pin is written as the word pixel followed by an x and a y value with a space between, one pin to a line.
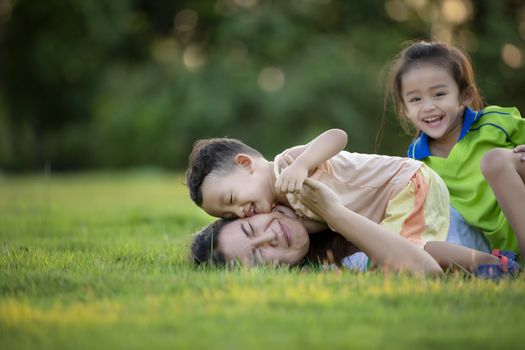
pixel 453 256
pixel 504 170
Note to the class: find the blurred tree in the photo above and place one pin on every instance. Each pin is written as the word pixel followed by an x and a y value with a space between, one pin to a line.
pixel 91 83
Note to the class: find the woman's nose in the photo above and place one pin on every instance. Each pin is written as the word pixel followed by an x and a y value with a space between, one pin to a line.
pixel 267 238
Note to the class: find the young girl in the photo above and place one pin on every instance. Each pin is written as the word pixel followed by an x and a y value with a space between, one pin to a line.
pixel 479 152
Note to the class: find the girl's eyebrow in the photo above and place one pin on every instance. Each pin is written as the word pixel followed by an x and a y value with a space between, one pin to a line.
pixel 438 86
pixel 433 87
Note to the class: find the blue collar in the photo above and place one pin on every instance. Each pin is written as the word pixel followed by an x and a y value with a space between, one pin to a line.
pixel 420 149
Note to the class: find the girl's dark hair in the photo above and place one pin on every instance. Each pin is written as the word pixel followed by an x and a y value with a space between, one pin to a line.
pixel 440 54
pixel 212 155
pixel 325 247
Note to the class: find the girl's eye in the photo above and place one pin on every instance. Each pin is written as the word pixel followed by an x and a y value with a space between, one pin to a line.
pixel 439 94
pixel 414 99
pixel 251 228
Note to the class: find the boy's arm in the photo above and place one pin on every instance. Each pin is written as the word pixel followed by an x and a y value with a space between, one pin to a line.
pixel 319 150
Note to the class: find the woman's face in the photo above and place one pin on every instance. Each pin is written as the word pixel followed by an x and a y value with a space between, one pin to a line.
pixel 273 238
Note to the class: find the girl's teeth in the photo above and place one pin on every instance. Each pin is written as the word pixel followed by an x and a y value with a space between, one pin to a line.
pixel 433 119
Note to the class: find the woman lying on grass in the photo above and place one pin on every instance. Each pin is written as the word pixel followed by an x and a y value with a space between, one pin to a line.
pixel 281 238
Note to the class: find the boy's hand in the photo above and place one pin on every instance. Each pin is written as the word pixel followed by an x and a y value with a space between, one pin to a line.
pixel 520 149
pixel 291 178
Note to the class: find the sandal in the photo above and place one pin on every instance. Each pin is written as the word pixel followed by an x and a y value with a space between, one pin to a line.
pixel 508 267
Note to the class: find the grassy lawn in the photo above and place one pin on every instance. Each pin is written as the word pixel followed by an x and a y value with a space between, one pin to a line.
pixel 100 261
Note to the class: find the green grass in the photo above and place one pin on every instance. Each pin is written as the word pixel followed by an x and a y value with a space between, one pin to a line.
pixel 100 261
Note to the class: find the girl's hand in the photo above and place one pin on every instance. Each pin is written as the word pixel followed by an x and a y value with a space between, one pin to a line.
pixel 520 149
pixel 318 197
pixel 292 177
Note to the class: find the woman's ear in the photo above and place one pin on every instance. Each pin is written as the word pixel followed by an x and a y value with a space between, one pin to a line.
pixel 244 161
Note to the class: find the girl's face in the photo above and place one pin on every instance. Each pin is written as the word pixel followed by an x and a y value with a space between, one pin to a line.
pixel 432 101
pixel 273 238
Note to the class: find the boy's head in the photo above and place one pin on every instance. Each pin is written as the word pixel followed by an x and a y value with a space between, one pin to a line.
pixel 228 178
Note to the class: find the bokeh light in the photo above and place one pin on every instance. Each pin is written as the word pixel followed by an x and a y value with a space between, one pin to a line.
pixel 397 10
pixel 456 11
pixel 512 56
pixel 271 79
pixel 186 20
pixel 194 58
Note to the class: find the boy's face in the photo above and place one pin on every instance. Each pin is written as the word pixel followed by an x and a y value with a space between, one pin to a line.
pixel 244 191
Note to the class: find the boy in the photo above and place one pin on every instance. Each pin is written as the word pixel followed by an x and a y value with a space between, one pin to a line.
pixel 229 179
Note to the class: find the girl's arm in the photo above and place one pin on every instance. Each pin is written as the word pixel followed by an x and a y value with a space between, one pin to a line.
pixel 386 249
pixel 320 149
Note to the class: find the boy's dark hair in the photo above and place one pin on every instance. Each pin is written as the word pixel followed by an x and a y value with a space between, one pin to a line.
pixel 326 247
pixel 212 156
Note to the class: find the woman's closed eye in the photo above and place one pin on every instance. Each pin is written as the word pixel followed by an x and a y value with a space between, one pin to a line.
pixel 248 230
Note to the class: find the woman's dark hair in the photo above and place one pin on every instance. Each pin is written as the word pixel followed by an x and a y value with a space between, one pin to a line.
pixel 212 155
pixel 326 247
pixel 204 246
pixel 416 53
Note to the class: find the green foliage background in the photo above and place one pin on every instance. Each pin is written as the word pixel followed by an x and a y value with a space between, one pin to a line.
pixel 121 83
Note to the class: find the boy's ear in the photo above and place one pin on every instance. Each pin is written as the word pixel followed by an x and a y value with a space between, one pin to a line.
pixel 244 161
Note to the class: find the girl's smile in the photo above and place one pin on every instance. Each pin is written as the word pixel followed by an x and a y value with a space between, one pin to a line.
pixel 432 102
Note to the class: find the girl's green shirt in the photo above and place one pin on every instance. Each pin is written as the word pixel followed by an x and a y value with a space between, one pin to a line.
pixel 470 194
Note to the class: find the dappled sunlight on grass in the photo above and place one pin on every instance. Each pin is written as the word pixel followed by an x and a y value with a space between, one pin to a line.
pixel 103 259
pixel 16 313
